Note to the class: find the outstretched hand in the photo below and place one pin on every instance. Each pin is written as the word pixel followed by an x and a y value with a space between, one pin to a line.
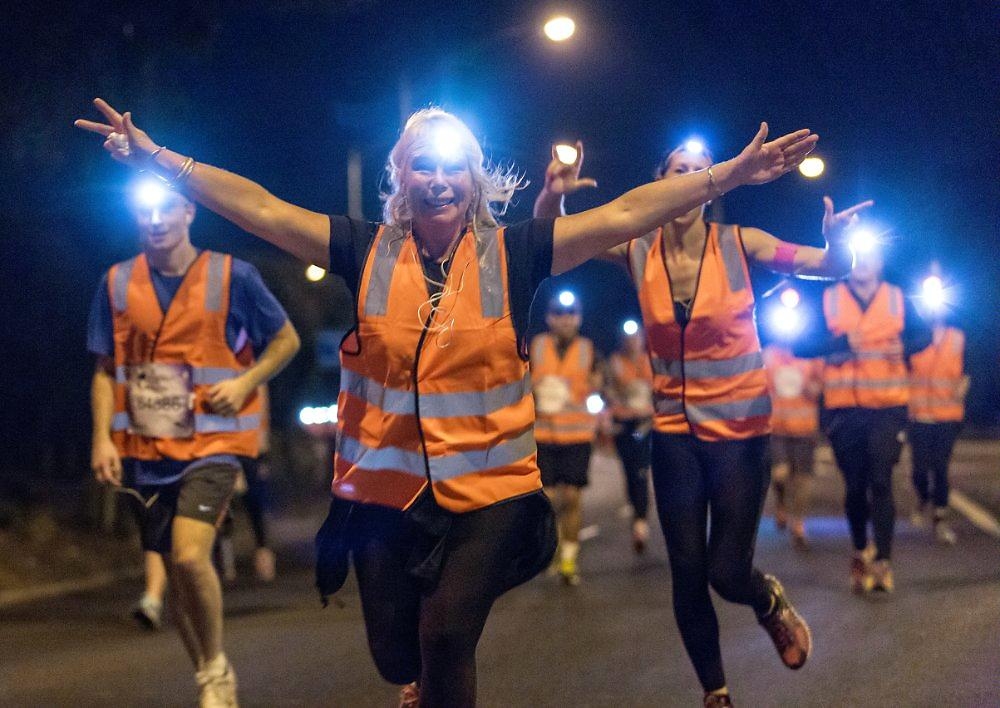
pixel 835 224
pixel 761 162
pixel 562 178
pixel 125 142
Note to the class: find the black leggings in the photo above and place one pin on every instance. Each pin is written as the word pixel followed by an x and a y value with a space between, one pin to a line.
pixel 692 477
pixel 865 442
pixel 932 444
pixel 632 444
pixel 432 635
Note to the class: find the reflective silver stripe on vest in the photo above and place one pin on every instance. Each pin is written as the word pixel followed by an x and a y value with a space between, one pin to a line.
pixel 213 289
pixel 549 426
pixel 731 258
pixel 386 254
pixel 895 298
pixel 120 421
pixel 435 405
pixel 207 423
pixel 710 368
pixel 870 385
pixel 382 458
pixel 666 405
pixel 443 467
pixel 490 278
pixel 119 288
pixel 733 410
pixel 638 253
pixel 200 375
pixel 457 464
pixel 875 355
pixel 831 301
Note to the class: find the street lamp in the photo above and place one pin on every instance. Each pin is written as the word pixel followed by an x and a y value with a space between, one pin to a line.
pixel 812 167
pixel 559 28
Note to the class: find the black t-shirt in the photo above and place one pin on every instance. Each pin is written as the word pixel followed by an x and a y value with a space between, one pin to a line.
pixel 529 260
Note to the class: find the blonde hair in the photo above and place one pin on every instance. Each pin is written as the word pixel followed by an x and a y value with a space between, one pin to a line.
pixel 493 184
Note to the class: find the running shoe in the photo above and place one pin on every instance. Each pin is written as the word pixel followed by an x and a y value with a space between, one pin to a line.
pixel 861 577
pixel 789 632
pixel 881 573
pixel 568 572
pixel 409 696
pixel 918 517
pixel 717 700
pixel 217 690
pixel 263 564
pixel 148 612
pixel 944 533
pixel 640 535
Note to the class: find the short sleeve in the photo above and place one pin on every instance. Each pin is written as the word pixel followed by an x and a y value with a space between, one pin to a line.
pixel 252 307
pixel 100 328
pixel 349 241
pixel 529 261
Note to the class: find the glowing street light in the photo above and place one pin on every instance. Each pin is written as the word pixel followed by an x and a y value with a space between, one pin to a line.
pixel 812 167
pixel 314 274
pixel 630 327
pixel 559 28
pixel 566 154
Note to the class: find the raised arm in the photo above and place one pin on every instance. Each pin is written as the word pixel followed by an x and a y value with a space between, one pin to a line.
pixel 303 233
pixel 833 261
pixel 580 237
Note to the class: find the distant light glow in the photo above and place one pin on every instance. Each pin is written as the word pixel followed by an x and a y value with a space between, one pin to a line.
pixel 785 321
pixel 567 299
pixel 559 28
pixel 318 415
pixel 694 146
pixel 933 293
pixel 790 297
pixel 566 154
pixel 314 273
pixel 595 404
pixel 630 327
pixel 446 142
pixel 812 167
pixel 863 241
pixel 151 193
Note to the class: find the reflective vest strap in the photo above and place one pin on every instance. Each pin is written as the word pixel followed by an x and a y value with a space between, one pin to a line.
pixel 213 285
pixel 895 301
pixel 208 423
pixel 355 453
pixel 732 258
pixel 749 408
pixel 709 368
pixel 456 464
pixel 835 381
pixel 667 405
pixel 388 243
pixel 831 302
pixel 200 375
pixel 636 255
pixel 120 421
pixel 119 288
pixel 490 276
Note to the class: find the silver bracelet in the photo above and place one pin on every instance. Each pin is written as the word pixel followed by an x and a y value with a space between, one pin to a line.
pixel 713 185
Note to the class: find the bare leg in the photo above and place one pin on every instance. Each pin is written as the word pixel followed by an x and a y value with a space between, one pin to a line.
pixel 197 584
pixel 156 575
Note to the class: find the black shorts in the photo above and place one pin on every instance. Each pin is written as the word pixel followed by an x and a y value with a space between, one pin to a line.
pixel 564 464
pixel 202 494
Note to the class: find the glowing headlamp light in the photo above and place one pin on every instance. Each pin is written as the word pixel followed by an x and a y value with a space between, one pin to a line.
pixel 630 327
pixel 933 293
pixel 863 241
pixel 566 154
pixel 151 194
pixel 446 143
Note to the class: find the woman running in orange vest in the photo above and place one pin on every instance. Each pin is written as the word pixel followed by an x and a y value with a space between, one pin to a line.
pixel 436 489
pixel 938 386
pixel 795 386
pixel 712 410
pixel 872 331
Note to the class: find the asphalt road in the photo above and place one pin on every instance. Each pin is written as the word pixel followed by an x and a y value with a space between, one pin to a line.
pixel 609 642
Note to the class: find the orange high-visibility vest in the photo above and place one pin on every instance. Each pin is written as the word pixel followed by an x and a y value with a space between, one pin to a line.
pixel 573 424
pixel 875 376
pixel 708 377
pixel 434 390
pixel 192 332
pixel 935 377
pixel 796 407
pixel 625 372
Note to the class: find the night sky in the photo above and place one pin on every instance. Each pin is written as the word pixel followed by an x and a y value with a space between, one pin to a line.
pixel 904 96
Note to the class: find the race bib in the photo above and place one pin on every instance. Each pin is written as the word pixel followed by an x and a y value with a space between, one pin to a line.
pixel 788 382
pixel 160 400
pixel 551 395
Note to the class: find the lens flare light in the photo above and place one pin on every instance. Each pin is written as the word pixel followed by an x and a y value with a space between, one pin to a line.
pixel 694 146
pixel 560 28
pixel 790 298
pixel 933 293
pixel 863 241
pixel 447 143
pixel 151 194
pixel 812 167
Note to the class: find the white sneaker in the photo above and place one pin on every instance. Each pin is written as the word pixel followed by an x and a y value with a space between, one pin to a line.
pixel 943 532
pixel 918 517
pixel 264 564
pixel 217 690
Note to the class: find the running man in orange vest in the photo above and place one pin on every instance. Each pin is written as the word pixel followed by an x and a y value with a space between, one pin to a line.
pixel 795 386
pixel 629 392
pixel 872 329
pixel 564 372
pixel 938 386
pixel 712 409
pixel 437 496
pixel 183 338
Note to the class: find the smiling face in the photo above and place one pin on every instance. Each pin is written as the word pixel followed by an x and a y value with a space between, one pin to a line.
pixel 439 190
pixel 164 227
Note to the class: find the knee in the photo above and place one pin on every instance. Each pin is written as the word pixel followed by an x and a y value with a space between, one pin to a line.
pixel 189 559
pixel 725 583
pixel 448 641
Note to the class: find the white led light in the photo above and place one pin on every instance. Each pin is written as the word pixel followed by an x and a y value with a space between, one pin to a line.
pixel 790 297
pixel 863 241
pixel 314 273
pixel 812 167
pixel 630 327
pixel 566 154
pixel 560 28
pixel 566 298
pixel 694 146
pixel 447 143
pixel 595 404
pixel 151 194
